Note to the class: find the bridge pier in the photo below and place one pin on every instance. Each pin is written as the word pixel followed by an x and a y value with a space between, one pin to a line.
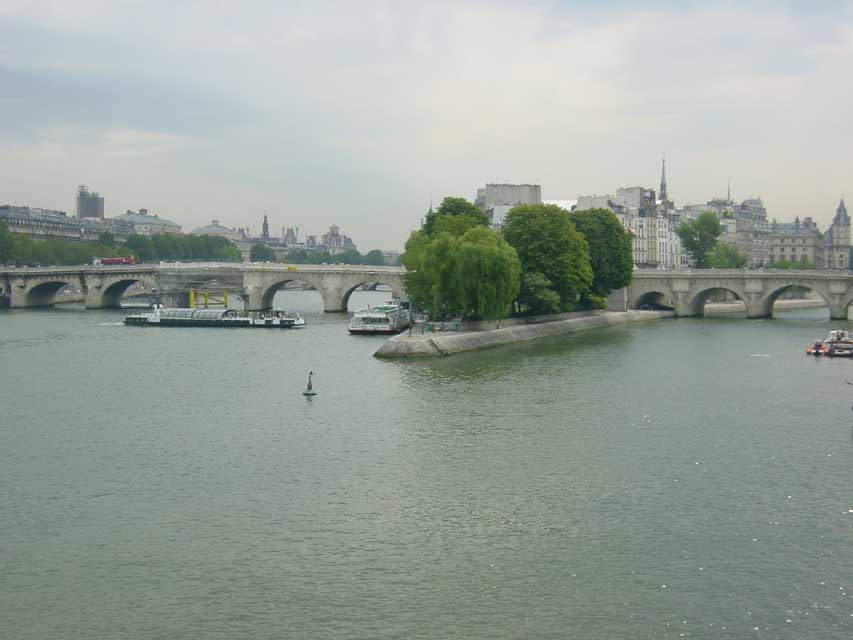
pixel 18 297
pixel 838 310
pixel 95 298
pixel 253 299
pixel 334 299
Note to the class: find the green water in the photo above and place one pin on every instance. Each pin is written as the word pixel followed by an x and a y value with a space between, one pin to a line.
pixel 682 478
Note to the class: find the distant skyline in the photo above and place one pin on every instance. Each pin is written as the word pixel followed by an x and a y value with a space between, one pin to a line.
pixel 357 114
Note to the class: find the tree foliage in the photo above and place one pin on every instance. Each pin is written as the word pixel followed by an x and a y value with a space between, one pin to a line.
pixel 609 249
pixel 23 250
pixel 726 256
pixel 350 256
pixel 474 275
pixel 802 263
pixel 699 237
pixel 303 256
pixel 106 239
pixel 7 244
pixel 374 258
pixel 261 253
pixel 540 296
pixel 455 208
pixel 169 246
pixel 548 245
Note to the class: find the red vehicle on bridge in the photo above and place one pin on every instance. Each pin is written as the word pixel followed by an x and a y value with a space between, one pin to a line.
pixel 108 261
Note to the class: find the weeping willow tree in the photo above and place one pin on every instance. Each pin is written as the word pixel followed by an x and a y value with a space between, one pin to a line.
pixel 461 269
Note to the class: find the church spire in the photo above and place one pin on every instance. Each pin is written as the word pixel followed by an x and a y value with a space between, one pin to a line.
pixel 663 196
pixel 729 193
pixel 841 213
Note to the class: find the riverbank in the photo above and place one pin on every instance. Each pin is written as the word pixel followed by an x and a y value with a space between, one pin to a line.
pixel 447 343
pixel 736 306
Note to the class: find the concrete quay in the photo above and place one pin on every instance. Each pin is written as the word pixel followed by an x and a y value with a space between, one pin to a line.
pixel 737 306
pixel 447 343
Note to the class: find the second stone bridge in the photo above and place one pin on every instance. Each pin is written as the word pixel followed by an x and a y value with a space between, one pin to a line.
pixel 687 291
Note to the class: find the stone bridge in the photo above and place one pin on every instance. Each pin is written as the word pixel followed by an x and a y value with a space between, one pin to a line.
pixel 687 291
pixel 255 283
pixel 102 286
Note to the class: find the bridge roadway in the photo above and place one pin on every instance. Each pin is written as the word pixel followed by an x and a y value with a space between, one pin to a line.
pixel 256 284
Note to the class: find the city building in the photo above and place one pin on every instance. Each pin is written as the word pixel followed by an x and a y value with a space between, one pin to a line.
pixel 795 242
pixel 45 224
pixel 216 229
pixel 654 242
pixel 265 229
pixel 145 223
pixel 89 205
pixel 744 225
pixel 753 240
pixel 568 205
pixel 497 199
pixel 837 240
pixel 637 199
pixel 335 242
pixel 391 257
pixel 290 237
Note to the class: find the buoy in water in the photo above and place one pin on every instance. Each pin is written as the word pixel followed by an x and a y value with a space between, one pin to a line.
pixel 309 389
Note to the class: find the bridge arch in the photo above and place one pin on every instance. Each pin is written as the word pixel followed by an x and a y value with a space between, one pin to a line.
pixel 696 305
pixel 651 298
pixel 766 304
pixel 43 293
pixel 108 292
pixel 396 290
pixel 268 295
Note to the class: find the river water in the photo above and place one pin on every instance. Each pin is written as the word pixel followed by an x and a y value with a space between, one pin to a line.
pixel 680 478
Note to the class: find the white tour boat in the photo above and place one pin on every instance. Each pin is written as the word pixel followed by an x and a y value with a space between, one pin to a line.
pixel 388 318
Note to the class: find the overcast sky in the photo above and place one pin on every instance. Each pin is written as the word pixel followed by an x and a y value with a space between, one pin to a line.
pixel 356 113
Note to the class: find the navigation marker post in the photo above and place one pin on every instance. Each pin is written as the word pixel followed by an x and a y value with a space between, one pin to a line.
pixel 309 389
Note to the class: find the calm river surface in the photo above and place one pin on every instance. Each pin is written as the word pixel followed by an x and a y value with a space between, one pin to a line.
pixel 682 478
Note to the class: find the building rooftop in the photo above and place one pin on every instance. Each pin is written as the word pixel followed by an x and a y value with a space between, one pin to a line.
pixel 216 229
pixel 143 217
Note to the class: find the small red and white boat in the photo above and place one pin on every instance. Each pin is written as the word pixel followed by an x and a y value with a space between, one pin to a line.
pixel 839 344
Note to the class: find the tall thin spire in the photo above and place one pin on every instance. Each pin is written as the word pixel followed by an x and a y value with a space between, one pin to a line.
pixel 663 196
pixel 841 213
pixel 729 193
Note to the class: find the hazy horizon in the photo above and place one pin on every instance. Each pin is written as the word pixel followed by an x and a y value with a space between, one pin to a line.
pixel 358 114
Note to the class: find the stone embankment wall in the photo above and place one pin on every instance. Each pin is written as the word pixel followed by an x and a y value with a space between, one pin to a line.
pixel 736 306
pixel 445 344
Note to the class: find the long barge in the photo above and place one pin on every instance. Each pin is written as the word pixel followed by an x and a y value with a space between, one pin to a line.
pixel 228 318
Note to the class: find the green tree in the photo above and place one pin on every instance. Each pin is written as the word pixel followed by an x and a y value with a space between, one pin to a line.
pixel 475 275
pixel 802 263
pixel 261 253
pixel 106 239
pixel 374 257
pixel 699 237
pixel 548 244
pixel 726 256
pixel 540 296
pixel 609 249
pixel 350 256
pixel 7 244
pixel 455 207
